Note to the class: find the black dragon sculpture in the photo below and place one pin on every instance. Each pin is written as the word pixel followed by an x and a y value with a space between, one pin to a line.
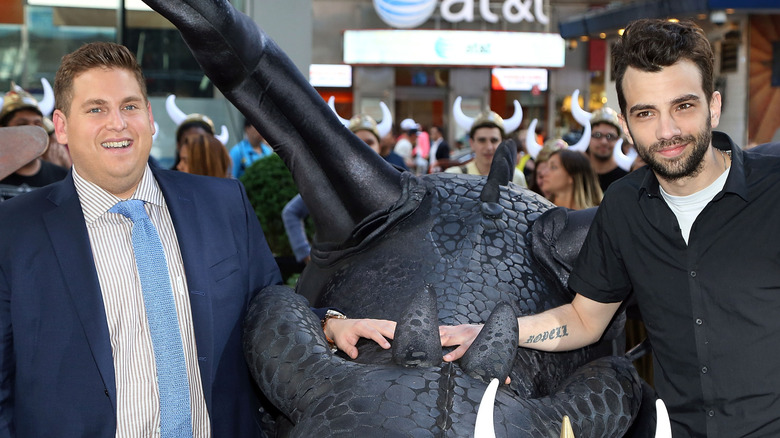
pixel 423 251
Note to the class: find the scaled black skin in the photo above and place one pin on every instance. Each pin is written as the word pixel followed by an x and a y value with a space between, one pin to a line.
pixel 424 251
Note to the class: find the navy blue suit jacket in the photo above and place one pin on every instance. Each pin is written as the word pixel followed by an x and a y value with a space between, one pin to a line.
pixel 56 367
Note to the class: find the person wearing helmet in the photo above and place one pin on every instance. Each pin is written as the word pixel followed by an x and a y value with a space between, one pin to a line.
pixel 604 134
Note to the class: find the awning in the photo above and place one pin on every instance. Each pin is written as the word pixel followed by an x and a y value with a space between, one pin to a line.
pixel 610 19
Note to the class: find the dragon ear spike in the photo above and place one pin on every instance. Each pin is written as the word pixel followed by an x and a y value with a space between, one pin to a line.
pixel 332 105
pixel 623 161
pixel 46 105
pixel 502 169
pixel 386 124
pixel 513 122
pixel 416 341
pixel 483 426
pixel 461 119
pixel 224 135
pixel 492 353
pixel 531 144
pixel 176 114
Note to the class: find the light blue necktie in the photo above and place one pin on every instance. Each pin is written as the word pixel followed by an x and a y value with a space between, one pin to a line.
pixel 175 416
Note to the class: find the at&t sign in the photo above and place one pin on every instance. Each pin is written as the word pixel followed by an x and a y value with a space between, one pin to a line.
pixel 412 13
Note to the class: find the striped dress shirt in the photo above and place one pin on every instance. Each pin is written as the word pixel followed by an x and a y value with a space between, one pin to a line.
pixel 138 399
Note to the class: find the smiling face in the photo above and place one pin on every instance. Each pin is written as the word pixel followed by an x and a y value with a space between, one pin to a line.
pixel 602 141
pixel 670 120
pixel 108 129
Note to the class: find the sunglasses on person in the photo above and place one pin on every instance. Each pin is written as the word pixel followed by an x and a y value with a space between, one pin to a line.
pixel 600 135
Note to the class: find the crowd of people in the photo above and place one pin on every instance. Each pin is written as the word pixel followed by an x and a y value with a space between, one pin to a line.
pixel 706 294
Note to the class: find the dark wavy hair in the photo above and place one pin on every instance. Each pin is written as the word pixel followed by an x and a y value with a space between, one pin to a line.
pixel 652 44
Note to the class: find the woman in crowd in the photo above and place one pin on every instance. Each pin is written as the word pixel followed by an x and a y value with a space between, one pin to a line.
pixel 540 164
pixel 203 154
pixel 570 180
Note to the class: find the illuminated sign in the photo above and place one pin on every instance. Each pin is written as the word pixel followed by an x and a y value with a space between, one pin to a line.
pixel 330 75
pixel 454 47
pixel 519 79
pixel 412 13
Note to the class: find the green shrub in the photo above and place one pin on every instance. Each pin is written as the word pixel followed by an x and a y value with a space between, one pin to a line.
pixel 270 187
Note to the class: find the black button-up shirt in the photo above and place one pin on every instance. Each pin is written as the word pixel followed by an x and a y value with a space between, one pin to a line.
pixel 711 307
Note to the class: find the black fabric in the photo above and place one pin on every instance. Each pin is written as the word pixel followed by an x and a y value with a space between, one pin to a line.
pixel 49 173
pixel 606 179
pixel 710 307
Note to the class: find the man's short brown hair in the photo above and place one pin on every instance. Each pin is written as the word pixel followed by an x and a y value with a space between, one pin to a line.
pixel 92 55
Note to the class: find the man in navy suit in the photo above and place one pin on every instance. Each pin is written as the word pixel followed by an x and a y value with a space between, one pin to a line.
pixel 76 356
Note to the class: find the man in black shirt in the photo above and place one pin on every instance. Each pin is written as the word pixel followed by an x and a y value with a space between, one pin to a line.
pixel 692 235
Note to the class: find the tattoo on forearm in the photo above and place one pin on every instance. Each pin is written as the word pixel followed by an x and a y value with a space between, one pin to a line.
pixel 552 334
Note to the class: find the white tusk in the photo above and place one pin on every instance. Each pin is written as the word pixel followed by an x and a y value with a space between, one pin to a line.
pixel 224 135
pixel 46 105
pixel 463 120
pixel 663 428
pixel 531 145
pixel 483 428
pixel 174 112
pixel 386 124
pixel 513 122
pixel 332 105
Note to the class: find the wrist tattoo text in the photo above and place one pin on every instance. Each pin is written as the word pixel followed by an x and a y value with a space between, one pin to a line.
pixel 552 334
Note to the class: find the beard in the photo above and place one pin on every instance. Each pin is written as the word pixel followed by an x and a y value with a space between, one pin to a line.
pixel 683 166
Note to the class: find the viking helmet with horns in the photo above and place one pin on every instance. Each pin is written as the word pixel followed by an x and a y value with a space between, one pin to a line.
pixel 182 120
pixel 17 98
pixel 364 122
pixel 487 118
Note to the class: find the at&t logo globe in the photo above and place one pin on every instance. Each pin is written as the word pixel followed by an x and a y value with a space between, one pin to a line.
pixel 404 13
pixel 412 13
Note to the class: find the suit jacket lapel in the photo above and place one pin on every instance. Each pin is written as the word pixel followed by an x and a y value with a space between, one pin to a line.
pixel 190 233
pixel 68 232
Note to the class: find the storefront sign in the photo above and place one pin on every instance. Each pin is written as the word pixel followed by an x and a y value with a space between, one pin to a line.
pixel 519 79
pixel 330 75
pixel 412 13
pixel 454 47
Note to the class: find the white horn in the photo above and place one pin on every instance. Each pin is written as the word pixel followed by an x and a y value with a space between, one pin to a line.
pixel 513 122
pixel 531 145
pixel 46 105
pixel 174 112
pixel 483 427
pixel 583 118
pixel 224 135
pixel 332 105
pixel 463 120
pixel 663 428
pixel 623 161
pixel 580 115
pixel 386 124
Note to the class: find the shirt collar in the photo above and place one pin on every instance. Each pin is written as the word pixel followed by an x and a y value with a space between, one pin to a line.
pixel 96 201
pixel 736 179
